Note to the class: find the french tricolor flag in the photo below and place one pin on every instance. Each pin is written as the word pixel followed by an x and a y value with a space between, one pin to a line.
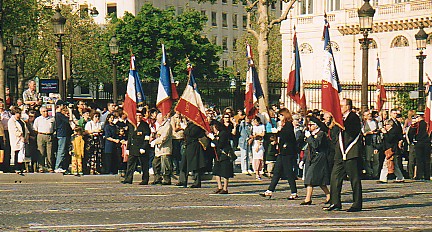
pixel 134 93
pixel 191 105
pixel 295 81
pixel 167 91
pixel 253 86
pixel 330 87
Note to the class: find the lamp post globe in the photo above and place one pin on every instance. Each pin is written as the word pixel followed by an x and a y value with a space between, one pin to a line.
pixel 58 22
pixel 365 14
pixel 94 12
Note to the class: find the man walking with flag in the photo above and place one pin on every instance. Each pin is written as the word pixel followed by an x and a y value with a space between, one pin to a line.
pixel 347 152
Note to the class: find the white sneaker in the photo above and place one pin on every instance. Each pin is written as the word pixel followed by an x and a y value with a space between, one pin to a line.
pixel 59 170
pixel 151 172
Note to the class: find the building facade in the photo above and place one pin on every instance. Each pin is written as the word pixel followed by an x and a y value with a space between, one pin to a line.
pixel 393 39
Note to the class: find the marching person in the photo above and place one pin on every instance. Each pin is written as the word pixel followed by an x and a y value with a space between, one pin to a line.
pixel 287 158
pixel 223 165
pixel 194 158
pixel 422 145
pixel 317 173
pixel 162 163
pixel 137 148
pixel 347 158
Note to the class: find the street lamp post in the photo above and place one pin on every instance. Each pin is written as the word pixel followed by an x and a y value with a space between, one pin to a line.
pixel 114 48
pixel 365 13
pixel 421 38
pixel 15 53
pixel 59 22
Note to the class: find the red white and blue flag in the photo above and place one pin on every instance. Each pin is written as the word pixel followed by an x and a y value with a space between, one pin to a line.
pixel 253 86
pixel 428 111
pixel 295 82
pixel 330 87
pixel 381 92
pixel 134 93
pixel 167 91
pixel 191 104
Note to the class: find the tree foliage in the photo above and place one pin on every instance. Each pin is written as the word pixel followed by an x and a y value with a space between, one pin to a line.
pixel 144 33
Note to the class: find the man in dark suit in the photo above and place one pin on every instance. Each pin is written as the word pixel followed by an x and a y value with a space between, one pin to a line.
pixel 138 145
pixel 347 158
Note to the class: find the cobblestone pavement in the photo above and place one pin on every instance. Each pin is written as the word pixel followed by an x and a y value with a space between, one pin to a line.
pixel 101 205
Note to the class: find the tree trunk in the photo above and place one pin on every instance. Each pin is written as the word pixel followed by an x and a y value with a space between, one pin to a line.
pixel 263 51
pixel 2 61
pixel 21 76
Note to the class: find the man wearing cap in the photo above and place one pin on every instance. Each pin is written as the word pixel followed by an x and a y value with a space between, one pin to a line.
pixel 137 148
pixel 422 145
pixel 347 158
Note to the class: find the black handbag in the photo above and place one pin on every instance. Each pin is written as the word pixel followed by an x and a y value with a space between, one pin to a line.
pixel 228 155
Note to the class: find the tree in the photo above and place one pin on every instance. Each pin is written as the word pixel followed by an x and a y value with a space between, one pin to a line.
pixel 144 33
pixel 259 10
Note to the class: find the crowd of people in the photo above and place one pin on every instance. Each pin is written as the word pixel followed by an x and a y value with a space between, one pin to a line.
pixel 278 144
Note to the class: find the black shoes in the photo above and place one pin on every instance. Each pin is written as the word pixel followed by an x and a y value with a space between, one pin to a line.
pixel 223 192
pixel 125 182
pixel 195 186
pixel 217 191
pixel 166 183
pixel 354 209
pixel 156 182
pixel 143 183
pixel 179 184
pixel 306 203
pixel 332 207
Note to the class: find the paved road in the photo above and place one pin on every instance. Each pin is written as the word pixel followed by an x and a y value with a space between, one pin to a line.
pixel 101 203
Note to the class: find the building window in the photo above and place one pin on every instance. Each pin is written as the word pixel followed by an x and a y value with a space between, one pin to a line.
pixel 224 20
pixel 244 21
pixel 234 20
pixel 213 19
pixel 84 90
pixel 373 44
pixel 224 2
pixel 224 64
pixel 333 5
pixel 273 6
pixel 400 1
pixel 180 10
pixel 225 43
pixel 305 48
pixel 399 41
pixel 112 9
pixel 306 7
pixel 234 44
pixel 214 39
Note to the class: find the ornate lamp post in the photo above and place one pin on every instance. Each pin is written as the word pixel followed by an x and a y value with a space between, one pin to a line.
pixel 365 13
pixel 59 22
pixel 93 12
pixel 114 48
pixel 421 38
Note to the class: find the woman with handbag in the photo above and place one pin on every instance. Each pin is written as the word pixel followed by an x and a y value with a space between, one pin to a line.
pixel 287 158
pixel 316 165
pixel 223 165
pixel 390 145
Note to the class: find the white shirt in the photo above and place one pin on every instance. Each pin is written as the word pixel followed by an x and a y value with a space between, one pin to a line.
pixel 44 124
pixel 257 130
pixel 92 126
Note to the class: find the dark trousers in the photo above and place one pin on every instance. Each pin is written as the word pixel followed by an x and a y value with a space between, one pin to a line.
pixel 423 160
pixel 341 168
pixel 106 163
pixel 176 154
pixel 183 178
pixel 5 166
pixel 284 167
pixel 131 165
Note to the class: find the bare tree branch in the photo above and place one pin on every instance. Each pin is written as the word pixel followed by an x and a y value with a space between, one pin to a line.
pixel 284 14
pixel 250 6
pixel 249 28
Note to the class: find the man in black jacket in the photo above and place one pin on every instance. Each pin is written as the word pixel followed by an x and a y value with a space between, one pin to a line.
pixel 138 145
pixel 347 158
pixel 422 148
